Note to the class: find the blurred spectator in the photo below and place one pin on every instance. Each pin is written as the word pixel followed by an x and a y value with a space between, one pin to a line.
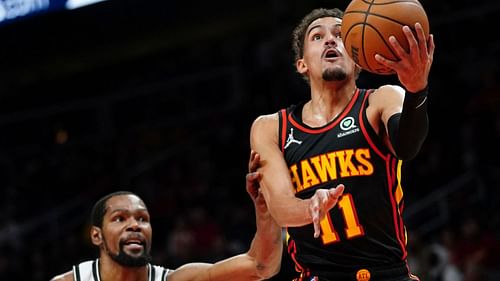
pixel 476 251
pixel 181 247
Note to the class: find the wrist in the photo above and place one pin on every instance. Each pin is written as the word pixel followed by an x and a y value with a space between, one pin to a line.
pixel 424 91
pixel 416 99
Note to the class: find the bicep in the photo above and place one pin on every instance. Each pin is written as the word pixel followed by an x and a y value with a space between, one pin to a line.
pixel 389 101
pixel 276 183
pixel 383 104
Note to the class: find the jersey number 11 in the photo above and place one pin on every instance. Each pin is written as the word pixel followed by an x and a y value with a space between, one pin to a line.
pixel 352 229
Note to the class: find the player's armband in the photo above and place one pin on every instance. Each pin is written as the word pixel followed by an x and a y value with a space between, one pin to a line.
pixel 408 129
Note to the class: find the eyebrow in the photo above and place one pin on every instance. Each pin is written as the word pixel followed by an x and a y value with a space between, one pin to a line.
pixel 313 27
pixel 319 26
pixel 128 211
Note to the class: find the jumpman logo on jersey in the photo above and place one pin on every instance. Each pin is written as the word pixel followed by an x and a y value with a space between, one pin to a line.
pixel 291 139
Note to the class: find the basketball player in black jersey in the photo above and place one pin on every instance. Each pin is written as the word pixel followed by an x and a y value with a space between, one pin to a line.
pixel 121 229
pixel 345 145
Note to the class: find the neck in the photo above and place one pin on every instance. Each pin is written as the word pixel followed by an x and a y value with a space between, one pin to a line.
pixel 109 270
pixel 328 100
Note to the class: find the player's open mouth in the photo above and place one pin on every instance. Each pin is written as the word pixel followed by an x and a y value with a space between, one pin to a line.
pixel 331 54
pixel 133 241
pixel 134 244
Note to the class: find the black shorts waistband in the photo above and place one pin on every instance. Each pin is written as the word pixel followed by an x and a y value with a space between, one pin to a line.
pixel 361 273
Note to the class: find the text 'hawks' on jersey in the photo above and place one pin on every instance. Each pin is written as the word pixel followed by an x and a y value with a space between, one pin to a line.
pixel 323 168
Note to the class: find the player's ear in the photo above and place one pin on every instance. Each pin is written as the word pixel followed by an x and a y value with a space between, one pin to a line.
pixel 301 66
pixel 357 71
pixel 96 235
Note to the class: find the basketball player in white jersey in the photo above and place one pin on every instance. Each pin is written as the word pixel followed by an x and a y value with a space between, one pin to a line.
pixel 121 229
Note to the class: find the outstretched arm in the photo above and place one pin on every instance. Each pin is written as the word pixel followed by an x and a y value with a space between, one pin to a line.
pixel 407 123
pixel 276 183
pixel 262 260
pixel 266 247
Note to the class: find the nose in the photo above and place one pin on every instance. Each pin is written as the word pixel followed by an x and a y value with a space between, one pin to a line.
pixel 330 40
pixel 133 225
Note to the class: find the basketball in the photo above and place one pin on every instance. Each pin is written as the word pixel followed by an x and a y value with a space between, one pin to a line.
pixel 367 25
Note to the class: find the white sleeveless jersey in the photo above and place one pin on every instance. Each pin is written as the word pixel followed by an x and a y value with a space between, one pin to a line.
pixel 89 271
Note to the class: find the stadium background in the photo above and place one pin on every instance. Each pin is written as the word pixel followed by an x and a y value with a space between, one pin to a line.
pixel 157 97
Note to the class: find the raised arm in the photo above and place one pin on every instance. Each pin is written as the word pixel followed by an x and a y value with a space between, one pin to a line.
pixel 407 123
pixel 276 183
pixel 266 247
pixel 263 259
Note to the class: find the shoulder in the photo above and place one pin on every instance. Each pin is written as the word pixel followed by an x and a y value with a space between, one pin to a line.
pixel 265 122
pixel 267 117
pixel 67 276
pixel 387 96
pixel 83 269
pixel 388 90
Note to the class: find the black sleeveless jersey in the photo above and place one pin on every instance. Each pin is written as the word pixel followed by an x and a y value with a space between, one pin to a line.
pixel 365 229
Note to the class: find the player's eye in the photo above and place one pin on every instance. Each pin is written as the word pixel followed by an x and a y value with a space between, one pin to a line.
pixel 118 219
pixel 316 37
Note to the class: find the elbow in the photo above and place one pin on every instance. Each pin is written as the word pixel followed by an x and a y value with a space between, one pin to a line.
pixel 266 272
pixel 270 273
pixel 408 133
pixel 268 264
pixel 408 152
pixel 281 222
pixel 408 148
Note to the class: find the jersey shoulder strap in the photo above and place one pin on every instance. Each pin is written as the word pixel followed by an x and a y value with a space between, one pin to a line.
pixel 158 273
pixel 86 271
pixel 283 124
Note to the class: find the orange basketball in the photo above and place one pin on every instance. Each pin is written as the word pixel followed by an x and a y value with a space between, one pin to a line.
pixel 367 25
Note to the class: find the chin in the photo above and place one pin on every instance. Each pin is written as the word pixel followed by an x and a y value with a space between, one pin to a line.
pixel 334 74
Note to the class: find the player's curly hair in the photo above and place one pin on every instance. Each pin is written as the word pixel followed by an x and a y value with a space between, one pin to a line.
pixel 299 32
pixel 99 208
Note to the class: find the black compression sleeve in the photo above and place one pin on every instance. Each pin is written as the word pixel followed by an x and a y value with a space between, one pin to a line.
pixel 408 129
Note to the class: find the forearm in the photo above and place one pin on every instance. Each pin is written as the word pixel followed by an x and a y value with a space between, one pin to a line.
pixel 291 212
pixel 277 187
pixel 408 129
pixel 261 262
pixel 267 246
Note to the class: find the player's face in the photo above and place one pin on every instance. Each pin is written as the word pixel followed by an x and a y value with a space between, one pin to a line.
pixel 126 231
pixel 324 54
